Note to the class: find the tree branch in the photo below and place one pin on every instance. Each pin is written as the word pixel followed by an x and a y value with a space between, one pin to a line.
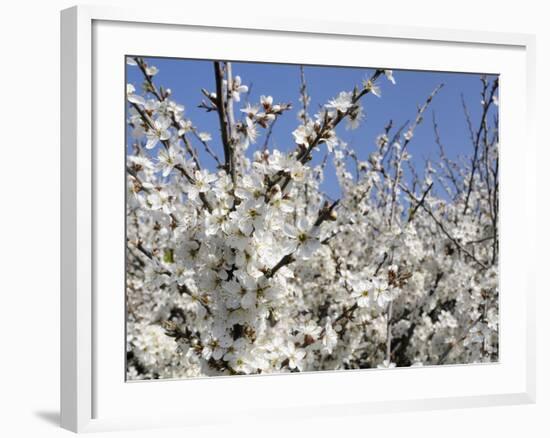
pixel 225 128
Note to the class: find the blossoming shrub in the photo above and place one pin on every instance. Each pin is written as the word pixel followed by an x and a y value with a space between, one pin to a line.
pixel 249 268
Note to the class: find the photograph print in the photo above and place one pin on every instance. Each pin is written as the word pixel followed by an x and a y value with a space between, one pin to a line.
pixel 287 218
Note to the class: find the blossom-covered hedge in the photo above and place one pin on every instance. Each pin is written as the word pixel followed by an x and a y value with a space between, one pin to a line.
pixel 250 268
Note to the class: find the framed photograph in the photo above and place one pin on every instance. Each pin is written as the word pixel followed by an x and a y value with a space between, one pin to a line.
pixel 276 217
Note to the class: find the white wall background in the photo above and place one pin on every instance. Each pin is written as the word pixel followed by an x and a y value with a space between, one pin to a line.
pixel 29 215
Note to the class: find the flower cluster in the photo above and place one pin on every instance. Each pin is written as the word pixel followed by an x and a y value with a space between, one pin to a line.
pixel 249 268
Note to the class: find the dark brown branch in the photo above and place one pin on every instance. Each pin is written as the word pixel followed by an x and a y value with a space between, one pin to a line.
pixel 326 213
pixel 286 260
pixel 225 129
pixel 421 202
pixel 381 264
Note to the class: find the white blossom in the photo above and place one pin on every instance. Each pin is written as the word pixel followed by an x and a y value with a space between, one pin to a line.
pixel 158 132
pixel 342 103
pixel 248 266
pixel 237 88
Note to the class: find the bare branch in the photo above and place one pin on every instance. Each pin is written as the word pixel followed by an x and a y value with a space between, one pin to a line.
pixel 443 156
pixel 225 128
pixel 303 95
pixel 487 101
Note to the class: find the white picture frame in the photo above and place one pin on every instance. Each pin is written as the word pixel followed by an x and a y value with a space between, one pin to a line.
pixel 92 385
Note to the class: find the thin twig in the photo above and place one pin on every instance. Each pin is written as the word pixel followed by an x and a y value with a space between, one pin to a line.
pixel 487 101
pixel 304 96
pixel 421 202
pixel 221 106
pixel 442 154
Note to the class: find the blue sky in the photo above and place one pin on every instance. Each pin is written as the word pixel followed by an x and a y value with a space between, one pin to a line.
pixel 282 81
